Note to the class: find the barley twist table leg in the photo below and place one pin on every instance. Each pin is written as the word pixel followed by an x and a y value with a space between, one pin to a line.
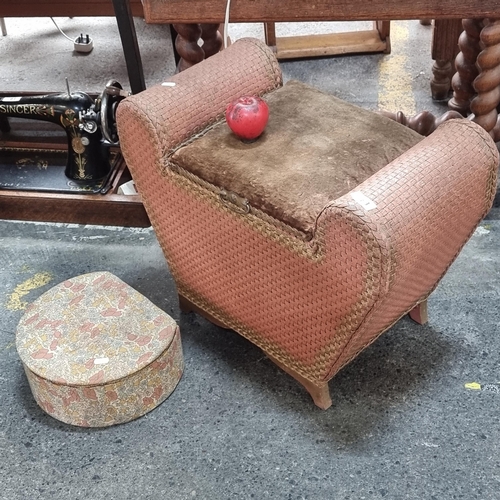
pixel 187 46
pixel 487 83
pixel 212 39
pixel 469 43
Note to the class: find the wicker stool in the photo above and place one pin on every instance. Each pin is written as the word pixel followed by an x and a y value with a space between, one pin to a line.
pixel 97 353
pixel 317 237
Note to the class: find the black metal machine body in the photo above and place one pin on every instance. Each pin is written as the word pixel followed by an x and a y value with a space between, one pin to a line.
pixel 89 125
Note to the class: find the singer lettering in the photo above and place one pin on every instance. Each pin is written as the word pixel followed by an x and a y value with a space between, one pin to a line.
pixel 27 109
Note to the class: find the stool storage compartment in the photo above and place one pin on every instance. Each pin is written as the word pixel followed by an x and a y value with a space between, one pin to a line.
pixel 315 238
pixel 96 352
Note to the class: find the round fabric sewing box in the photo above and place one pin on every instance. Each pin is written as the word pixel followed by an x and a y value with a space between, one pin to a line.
pixel 96 352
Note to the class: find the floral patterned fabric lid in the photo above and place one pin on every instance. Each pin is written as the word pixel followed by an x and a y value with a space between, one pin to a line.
pixel 92 329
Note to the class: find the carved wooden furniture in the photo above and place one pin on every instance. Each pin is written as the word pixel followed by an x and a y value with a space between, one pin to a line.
pixel 444 51
pixel 376 39
pixel 187 42
pixel 317 237
pixel 475 85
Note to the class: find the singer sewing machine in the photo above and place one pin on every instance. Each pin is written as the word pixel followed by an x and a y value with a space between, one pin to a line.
pixel 68 168
pixel 90 133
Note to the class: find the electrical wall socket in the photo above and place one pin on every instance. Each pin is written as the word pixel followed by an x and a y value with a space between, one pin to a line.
pixel 83 43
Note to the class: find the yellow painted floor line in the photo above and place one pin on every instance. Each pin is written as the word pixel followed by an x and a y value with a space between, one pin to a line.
pixel 14 302
pixel 395 81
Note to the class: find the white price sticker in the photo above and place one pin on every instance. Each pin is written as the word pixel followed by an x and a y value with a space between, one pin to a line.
pixel 363 200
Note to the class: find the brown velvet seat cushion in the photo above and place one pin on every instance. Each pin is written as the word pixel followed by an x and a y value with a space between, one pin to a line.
pixel 315 148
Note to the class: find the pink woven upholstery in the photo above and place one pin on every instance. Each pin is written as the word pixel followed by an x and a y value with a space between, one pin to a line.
pixel 310 304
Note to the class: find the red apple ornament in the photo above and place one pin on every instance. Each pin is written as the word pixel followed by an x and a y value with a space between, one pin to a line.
pixel 247 117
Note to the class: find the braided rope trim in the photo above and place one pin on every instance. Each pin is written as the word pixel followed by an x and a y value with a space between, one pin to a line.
pixel 286 235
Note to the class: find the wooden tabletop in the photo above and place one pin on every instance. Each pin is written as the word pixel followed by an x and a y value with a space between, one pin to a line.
pixel 63 8
pixel 213 11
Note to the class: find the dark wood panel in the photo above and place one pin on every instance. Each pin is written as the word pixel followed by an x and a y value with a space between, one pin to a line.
pixel 212 11
pixel 110 209
pixel 105 209
pixel 63 8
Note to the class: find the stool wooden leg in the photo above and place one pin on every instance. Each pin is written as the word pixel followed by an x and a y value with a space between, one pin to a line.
pixel 419 313
pixel 319 392
pixel 185 305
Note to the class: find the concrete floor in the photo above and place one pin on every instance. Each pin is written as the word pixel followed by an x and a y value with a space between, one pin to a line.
pixel 403 424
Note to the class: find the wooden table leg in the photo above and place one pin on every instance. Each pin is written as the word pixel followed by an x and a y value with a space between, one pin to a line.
pixel 462 82
pixel 212 39
pixel 476 84
pixel 445 35
pixel 384 31
pixel 487 84
pixel 187 46
pixel 173 37
pixel 270 35
pixel 187 43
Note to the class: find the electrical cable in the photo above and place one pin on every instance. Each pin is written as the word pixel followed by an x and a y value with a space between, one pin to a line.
pixel 70 39
pixel 226 23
